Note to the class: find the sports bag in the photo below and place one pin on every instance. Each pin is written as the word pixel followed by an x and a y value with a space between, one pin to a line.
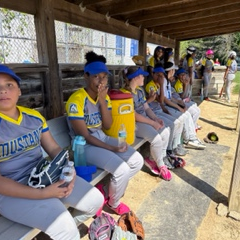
pixel 102 227
pixel 130 222
pixel 48 171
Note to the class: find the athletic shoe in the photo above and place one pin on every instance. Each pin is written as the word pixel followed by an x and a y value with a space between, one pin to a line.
pixel 152 166
pixel 180 150
pixel 99 186
pixel 120 209
pixel 165 173
pixel 168 163
pixel 206 99
pixel 196 144
pixel 177 161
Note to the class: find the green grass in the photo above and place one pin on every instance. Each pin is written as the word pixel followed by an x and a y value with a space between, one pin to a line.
pixel 236 83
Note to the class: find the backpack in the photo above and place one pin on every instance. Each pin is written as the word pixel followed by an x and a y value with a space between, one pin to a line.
pixel 102 227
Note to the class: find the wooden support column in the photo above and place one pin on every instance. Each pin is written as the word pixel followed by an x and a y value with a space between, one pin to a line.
pixel 234 193
pixel 47 52
pixel 143 45
pixel 176 52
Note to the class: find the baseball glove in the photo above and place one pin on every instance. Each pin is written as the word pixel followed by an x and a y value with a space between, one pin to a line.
pixel 211 138
pixel 47 172
pixel 130 222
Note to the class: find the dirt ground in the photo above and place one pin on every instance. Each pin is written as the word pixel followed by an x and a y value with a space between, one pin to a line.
pixel 220 117
pixel 217 116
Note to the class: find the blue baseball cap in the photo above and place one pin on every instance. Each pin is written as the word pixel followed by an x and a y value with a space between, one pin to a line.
pixel 159 69
pixel 96 67
pixel 180 70
pixel 137 73
pixel 8 71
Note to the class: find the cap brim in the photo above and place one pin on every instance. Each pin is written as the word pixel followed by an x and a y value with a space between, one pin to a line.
pixel 137 73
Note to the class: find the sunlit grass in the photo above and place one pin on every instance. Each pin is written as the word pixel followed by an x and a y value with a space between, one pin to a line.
pixel 236 83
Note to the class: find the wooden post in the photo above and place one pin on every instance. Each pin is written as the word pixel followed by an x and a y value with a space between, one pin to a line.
pixel 143 45
pixel 176 52
pixel 47 52
pixel 234 193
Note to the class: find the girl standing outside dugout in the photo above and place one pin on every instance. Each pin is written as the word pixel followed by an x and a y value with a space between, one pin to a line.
pixel 206 69
pixel 148 125
pixel 189 65
pixel 229 75
pixel 43 208
pixel 89 111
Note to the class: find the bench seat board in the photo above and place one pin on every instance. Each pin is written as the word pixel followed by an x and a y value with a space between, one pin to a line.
pixel 58 126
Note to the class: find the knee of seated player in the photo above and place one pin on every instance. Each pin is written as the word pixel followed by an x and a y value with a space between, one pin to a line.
pixel 64 227
pixel 122 171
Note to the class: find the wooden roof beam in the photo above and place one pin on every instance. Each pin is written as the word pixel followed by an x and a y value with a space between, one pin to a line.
pixel 126 6
pixel 223 24
pixel 70 13
pixel 25 6
pixel 205 29
pixel 177 9
pixel 199 23
pixel 207 33
pixel 192 16
pixel 87 2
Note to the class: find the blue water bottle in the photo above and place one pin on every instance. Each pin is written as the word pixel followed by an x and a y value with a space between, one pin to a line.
pixel 79 154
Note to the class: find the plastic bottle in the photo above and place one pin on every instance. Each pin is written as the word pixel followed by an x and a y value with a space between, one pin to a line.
pixel 67 174
pixel 122 135
pixel 79 154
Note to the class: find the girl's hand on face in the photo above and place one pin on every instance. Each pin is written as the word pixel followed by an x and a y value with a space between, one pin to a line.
pixel 152 95
pixel 102 91
pixel 186 81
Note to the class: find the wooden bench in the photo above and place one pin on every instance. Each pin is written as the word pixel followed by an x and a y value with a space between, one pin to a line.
pixel 13 231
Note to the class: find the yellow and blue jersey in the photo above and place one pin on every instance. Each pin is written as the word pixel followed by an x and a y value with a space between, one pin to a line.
pixel 20 142
pixel 81 106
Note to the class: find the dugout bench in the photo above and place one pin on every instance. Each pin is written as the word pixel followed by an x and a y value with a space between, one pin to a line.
pixel 10 230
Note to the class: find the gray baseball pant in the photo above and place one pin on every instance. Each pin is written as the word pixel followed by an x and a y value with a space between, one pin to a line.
pixel 122 166
pixel 51 215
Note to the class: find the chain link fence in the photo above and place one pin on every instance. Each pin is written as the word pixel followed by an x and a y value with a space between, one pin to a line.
pixel 17 37
pixel 73 42
pixel 18 41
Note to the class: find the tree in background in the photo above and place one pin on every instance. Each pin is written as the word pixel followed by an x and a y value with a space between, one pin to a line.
pixel 221 45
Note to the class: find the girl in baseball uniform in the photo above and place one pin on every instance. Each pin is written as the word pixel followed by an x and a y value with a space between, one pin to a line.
pixel 148 125
pixel 23 132
pixel 180 86
pixel 89 111
pixel 169 106
pixel 229 75
pixel 176 126
pixel 207 69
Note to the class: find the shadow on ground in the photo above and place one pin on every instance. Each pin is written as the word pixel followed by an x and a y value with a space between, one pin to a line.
pixel 175 209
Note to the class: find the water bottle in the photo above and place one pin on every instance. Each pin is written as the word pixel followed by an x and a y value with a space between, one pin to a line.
pixel 79 154
pixel 67 174
pixel 122 135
